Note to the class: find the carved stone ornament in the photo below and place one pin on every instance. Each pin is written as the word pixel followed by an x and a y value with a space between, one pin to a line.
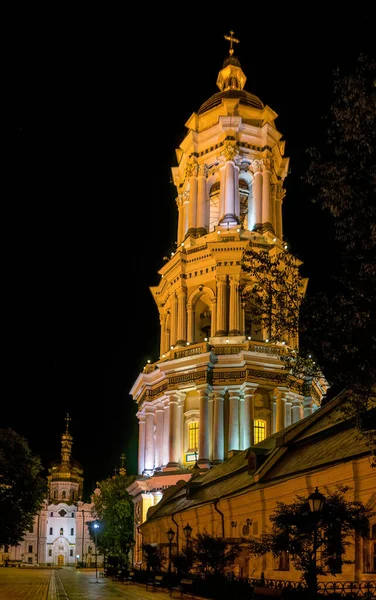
pixel 229 151
pixel 191 169
pixel 268 163
pixel 256 166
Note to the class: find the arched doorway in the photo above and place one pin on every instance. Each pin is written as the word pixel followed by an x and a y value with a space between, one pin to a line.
pixel 60 560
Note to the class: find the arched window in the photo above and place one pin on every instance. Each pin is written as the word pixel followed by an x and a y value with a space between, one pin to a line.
pixel 259 430
pixel 55 493
pixel 64 495
pixel 51 531
pixel 61 531
pixel 50 552
pixel 193 436
pixel 72 531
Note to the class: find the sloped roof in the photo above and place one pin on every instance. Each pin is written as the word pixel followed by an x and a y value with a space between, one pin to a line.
pixel 322 438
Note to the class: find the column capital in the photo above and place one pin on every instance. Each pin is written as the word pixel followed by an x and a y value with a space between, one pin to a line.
pixel 249 388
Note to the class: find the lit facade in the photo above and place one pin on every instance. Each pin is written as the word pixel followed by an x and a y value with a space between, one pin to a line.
pixel 219 386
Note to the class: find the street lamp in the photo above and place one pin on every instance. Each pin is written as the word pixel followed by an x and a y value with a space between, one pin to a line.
pixel 96 551
pixel 170 537
pixel 316 502
pixel 187 532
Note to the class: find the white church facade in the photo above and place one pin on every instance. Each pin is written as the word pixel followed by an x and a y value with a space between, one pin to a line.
pixel 59 535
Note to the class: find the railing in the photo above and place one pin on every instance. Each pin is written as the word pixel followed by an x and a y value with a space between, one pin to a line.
pixel 348 589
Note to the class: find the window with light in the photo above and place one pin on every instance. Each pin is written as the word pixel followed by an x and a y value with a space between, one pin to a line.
pixel 259 430
pixel 193 436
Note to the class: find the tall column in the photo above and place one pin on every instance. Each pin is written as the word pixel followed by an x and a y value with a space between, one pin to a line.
pixel 266 203
pixel 233 428
pixel 166 337
pixel 202 202
pixel 249 415
pixel 297 409
pixel 180 205
pixel 210 423
pixel 308 406
pixel 159 416
pixel 185 213
pixel 218 427
pixel 234 327
pixel 288 406
pixel 192 213
pixel 230 174
pixel 204 426
pixel 141 443
pixel 173 435
pixel 162 341
pixel 166 429
pixel 221 305
pixel 181 318
pixel 251 219
pixel 149 440
pixel 278 211
pixel 174 319
pixel 257 170
pixel 274 414
pixel 241 421
pixel 281 408
pixel 190 324
pixel 222 192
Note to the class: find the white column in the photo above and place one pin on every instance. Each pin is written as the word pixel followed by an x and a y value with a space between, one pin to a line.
pixel 274 414
pixel 278 211
pixel 251 207
pixel 233 427
pixel 221 305
pixel 297 409
pixel 257 166
pixel 141 443
pixel 218 430
pixel 166 429
pixel 149 440
pixel 249 415
pixel 181 317
pixel 308 407
pixel 230 173
pixel 192 214
pixel 202 202
pixel 159 417
pixel 288 406
pixel 234 305
pixel 266 207
pixel 222 193
pixel 204 425
pixel 281 408
pixel 241 422
pixel 174 319
pixel 180 205
pixel 185 213
pixel 213 324
pixel 173 430
pixel 210 424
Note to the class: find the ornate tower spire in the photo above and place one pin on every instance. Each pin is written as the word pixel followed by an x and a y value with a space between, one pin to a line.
pixel 66 443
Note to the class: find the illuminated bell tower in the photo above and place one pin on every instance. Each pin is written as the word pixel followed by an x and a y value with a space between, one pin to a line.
pixel 218 386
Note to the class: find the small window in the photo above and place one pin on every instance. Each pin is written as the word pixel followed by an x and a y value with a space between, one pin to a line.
pixel 30 560
pixel 64 495
pixel 259 429
pixel 31 530
pixel 71 553
pixel 61 531
pixel 50 552
pixel 72 531
pixel 73 515
pixel 89 550
pixel 51 531
pixel 30 549
pixel 51 514
pixel 55 493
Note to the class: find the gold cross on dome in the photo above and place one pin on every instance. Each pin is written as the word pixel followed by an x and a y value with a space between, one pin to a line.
pixel 231 39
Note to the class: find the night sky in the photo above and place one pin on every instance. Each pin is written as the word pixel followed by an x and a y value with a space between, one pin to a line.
pixel 96 106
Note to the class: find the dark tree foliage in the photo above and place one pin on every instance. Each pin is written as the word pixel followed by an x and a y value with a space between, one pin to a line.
pixel 339 322
pixel 22 489
pixel 113 507
pixel 153 556
pixel 212 554
pixel 293 531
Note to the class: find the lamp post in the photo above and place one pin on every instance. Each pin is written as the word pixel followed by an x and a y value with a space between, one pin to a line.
pixel 316 502
pixel 96 551
pixel 170 537
pixel 187 532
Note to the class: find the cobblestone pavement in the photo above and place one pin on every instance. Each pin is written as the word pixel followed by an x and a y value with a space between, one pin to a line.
pixel 68 584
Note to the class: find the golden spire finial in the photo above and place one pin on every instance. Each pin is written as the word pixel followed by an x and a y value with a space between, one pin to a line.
pixel 67 419
pixel 231 39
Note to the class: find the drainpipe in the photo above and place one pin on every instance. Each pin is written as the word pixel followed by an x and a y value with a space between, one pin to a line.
pixel 177 532
pixel 222 516
pixel 142 543
pixel 83 534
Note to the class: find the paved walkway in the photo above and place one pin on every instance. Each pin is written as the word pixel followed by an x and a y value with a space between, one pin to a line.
pixel 68 583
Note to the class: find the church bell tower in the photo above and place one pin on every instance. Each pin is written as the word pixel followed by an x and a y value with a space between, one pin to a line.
pixel 219 385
